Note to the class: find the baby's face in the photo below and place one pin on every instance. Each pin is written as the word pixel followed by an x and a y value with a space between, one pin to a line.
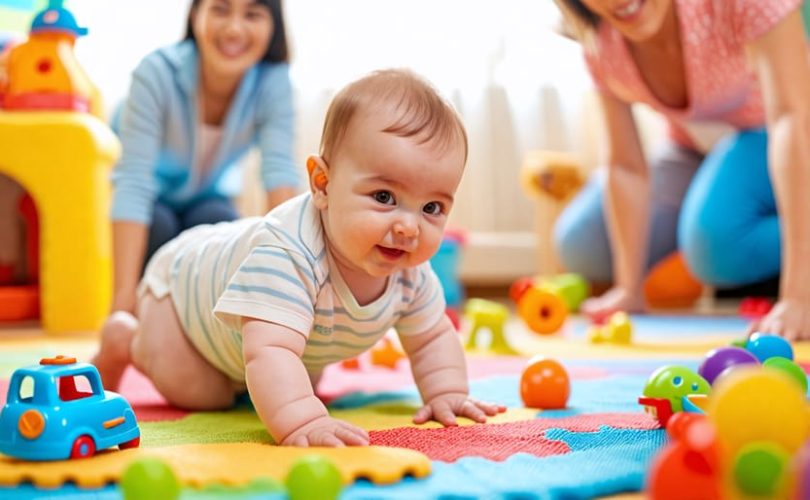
pixel 388 197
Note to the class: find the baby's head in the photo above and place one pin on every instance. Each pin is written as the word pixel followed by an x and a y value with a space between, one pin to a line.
pixel 392 156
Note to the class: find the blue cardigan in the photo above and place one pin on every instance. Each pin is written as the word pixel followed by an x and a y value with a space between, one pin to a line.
pixel 158 132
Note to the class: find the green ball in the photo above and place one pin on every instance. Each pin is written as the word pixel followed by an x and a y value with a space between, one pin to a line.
pixel 313 477
pixel 741 343
pixel 759 467
pixel 148 478
pixel 790 369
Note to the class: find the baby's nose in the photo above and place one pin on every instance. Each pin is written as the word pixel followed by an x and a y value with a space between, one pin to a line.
pixel 406 226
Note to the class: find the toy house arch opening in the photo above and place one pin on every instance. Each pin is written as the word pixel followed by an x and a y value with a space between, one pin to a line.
pixel 19 252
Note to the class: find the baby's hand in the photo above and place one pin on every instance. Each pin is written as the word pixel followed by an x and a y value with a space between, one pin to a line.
pixel 327 431
pixel 444 408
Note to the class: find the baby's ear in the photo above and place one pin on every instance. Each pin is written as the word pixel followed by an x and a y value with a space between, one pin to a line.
pixel 318 180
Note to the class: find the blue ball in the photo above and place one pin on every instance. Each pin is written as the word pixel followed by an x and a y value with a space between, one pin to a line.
pixel 765 346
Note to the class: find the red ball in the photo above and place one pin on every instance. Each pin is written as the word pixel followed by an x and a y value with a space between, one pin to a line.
pixel 519 287
pixel 679 424
pixel 754 307
pixel 544 384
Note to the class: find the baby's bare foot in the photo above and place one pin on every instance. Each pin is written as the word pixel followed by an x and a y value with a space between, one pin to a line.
pixel 114 355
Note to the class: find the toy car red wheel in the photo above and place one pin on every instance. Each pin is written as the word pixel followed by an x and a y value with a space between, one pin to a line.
pixel 83 447
pixel 132 443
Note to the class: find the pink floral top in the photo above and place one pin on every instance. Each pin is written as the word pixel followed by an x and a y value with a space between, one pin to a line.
pixel 721 85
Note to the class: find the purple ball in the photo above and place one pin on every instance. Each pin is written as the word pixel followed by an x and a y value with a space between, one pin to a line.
pixel 721 358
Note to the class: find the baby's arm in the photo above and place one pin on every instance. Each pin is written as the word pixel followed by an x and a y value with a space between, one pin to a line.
pixel 282 393
pixel 440 372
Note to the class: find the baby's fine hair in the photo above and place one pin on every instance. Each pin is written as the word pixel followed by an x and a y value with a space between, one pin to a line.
pixel 422 111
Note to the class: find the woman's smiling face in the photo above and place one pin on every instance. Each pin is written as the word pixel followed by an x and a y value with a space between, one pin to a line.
pixel 637 20
pixel 232 35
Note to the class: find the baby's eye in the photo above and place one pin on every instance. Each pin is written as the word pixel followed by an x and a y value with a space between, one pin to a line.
pixel 433 208
pixel 384 197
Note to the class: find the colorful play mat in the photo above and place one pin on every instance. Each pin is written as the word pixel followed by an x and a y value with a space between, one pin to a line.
pixel 601 444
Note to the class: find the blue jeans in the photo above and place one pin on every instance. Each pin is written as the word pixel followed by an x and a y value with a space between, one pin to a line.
pixel 168 223
pixel 719 211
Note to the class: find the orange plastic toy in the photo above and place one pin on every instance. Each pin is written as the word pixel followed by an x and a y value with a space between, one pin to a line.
pixel 43 72
pixel 544 384
pixel 671 284
pixel 385 353
pixel 350 364
pixel 543 312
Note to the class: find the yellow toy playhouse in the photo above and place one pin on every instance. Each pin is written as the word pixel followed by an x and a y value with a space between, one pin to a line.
pixel 61 156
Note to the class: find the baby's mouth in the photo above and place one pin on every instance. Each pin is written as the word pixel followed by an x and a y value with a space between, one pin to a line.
pixel 391 253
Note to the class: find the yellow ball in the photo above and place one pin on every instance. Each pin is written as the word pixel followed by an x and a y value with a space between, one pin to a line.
pixel 619 328
pixel 751 404
pixel 596 335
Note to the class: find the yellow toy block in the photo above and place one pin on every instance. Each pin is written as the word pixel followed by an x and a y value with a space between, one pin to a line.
pixel 492 316
pixel 63 160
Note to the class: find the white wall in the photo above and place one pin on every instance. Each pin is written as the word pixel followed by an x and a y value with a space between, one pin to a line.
pixel 121 32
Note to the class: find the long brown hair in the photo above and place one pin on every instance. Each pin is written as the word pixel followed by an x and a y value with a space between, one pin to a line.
pixel 580 21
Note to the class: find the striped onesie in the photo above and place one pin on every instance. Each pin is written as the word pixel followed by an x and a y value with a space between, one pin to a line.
pixel 276 268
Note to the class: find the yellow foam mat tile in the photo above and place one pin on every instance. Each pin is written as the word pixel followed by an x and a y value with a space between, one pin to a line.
pixel 567 348
pixel 379 417
pixel 231 464
pixel 665 349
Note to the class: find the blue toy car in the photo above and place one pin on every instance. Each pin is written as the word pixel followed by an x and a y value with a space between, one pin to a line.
pixel 48 416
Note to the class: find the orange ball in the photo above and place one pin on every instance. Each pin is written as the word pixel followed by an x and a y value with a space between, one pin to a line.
pixel 671 284
pixel 544 384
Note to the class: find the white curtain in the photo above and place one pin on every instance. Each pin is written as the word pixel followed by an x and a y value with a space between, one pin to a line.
pixel 517 84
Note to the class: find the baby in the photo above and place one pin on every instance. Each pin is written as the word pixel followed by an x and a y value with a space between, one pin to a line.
pixel 264 304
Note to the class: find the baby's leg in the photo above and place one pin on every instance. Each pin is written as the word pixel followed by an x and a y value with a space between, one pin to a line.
pixel 163 353
pixel 114 354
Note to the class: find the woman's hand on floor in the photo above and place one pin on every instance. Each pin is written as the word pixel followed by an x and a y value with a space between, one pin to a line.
pixel 788 318
pixel 599 309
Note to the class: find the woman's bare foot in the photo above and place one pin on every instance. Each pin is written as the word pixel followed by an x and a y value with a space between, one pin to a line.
pixel 616 299
pixel 114 355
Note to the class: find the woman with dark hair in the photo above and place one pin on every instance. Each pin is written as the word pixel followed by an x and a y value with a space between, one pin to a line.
pixel 194 109
pixel 735 208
